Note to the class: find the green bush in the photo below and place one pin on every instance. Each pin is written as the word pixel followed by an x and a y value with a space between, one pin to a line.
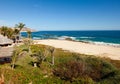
pixel 78 68
pixel 74 72
pixel 69 70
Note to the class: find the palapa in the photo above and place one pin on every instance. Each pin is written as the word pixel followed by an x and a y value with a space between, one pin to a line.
pixel 4 40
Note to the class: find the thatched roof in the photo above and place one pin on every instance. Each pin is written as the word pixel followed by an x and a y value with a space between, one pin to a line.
pixel 5 40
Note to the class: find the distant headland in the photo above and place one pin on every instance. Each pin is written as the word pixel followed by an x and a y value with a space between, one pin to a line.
pixel 25 29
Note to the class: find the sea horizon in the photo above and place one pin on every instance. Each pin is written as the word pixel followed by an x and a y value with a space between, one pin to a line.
pixel 73 30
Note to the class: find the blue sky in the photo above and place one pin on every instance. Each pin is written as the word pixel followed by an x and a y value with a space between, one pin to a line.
pixel 62 14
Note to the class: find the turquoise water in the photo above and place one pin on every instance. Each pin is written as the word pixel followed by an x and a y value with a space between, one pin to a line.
pixel 98 37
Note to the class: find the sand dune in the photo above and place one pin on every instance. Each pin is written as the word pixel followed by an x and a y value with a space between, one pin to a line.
pixel 84 48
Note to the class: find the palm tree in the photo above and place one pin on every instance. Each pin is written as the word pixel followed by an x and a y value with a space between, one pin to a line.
pixel 0 30
pixel 15 56
pixel 37 58
pixel 29 34
pixel 18 52
pixel 29 41
pixel 15 34
pixel 4 30
pixel 20 26
pixel 16 31
pixel 51 50
pixel 10 33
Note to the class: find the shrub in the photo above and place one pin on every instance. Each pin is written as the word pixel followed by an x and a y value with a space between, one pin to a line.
pixel 70 70
pixel 79 68
pixel 99 69
pixel 93 68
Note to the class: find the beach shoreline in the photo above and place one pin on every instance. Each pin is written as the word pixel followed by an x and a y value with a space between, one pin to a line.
pixel 83 48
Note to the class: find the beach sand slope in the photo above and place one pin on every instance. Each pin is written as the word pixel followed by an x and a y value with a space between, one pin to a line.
pixel 83 48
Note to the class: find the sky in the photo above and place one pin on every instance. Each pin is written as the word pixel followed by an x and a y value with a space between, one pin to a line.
pixel 61 14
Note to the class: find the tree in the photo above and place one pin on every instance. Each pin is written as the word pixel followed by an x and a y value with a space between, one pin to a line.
pixel 38 53
pixel 28 41
pixel 15 56
pixel 29 34
pixel 38 58
pixel 19 27
pixel 10 33
pixel 0 30
pixel 4 30
pixel 16 31
pixel 51 50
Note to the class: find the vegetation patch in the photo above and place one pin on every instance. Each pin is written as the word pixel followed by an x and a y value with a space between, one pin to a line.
pixel 55 66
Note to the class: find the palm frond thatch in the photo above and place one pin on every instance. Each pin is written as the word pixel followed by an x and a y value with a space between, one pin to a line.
pixel 4 40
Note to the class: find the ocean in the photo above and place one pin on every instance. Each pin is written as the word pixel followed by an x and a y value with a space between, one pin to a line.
pixel 96 37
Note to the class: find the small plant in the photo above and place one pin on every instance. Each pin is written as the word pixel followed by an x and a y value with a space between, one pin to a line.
pixel 51 50
pixel 28 42
pixel 38 54
pixel 15 55
pixel 19 51
pixel 38 57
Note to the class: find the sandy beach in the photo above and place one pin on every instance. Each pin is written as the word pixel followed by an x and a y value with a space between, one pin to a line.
pixel 83 48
